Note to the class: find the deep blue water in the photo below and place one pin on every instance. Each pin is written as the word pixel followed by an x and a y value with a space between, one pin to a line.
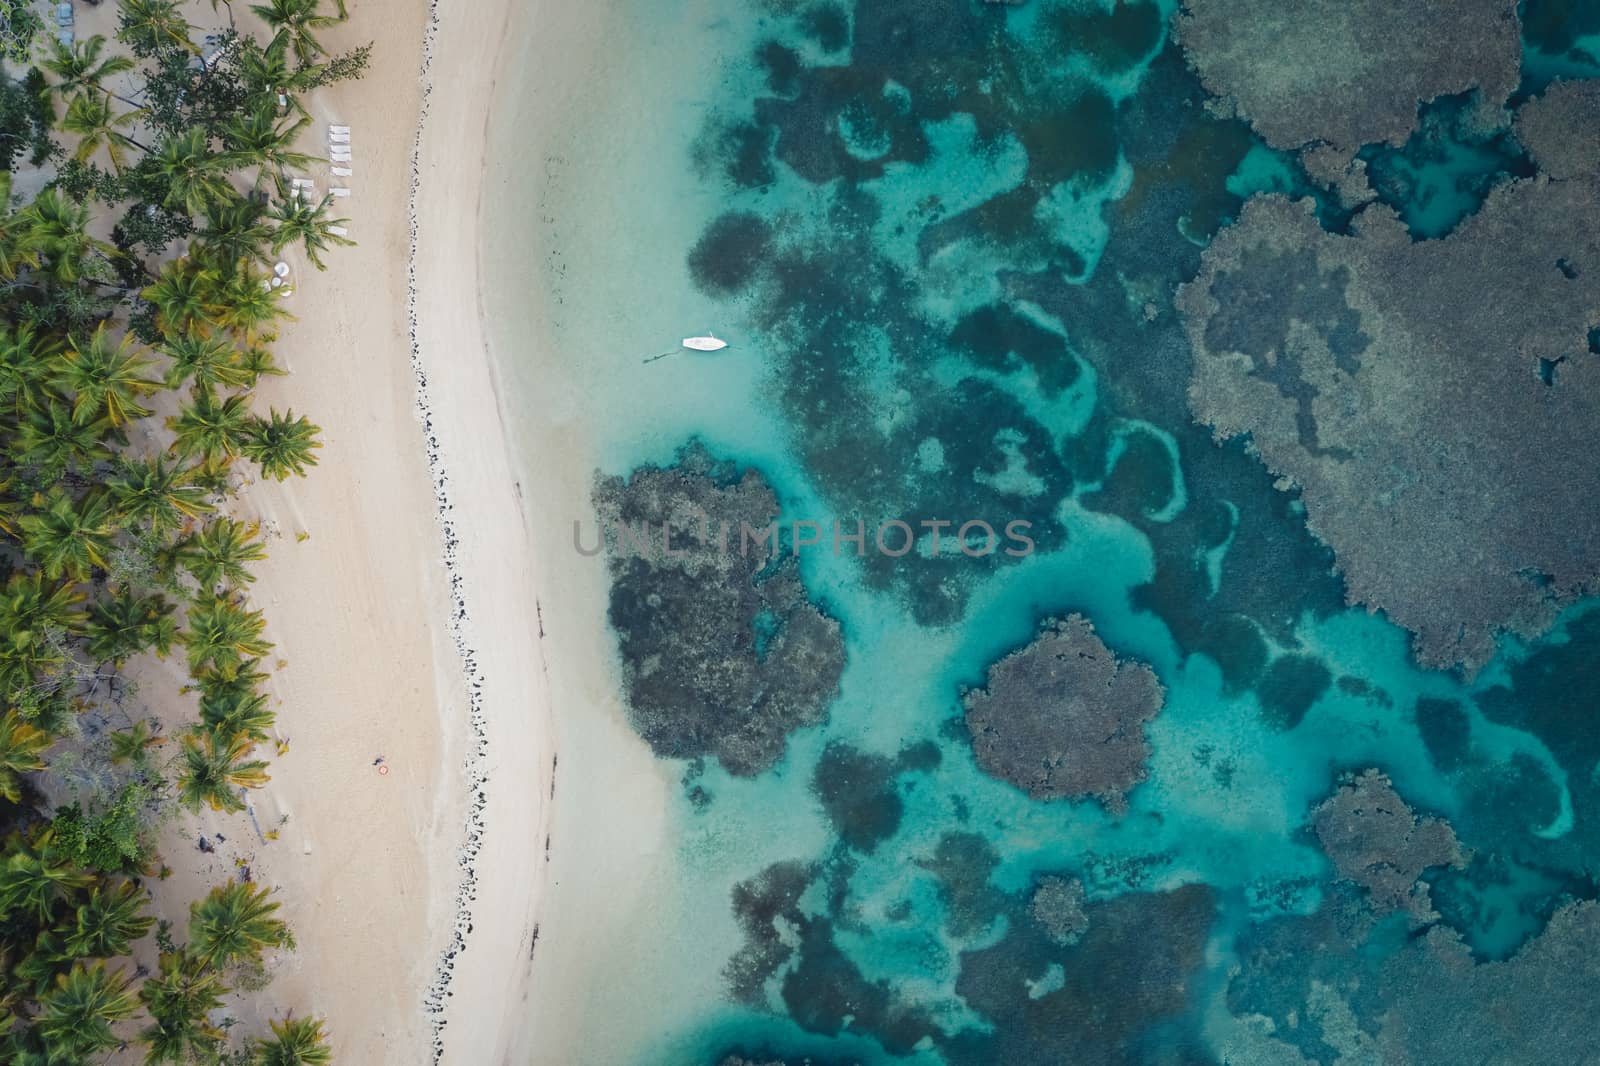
pixel 944 237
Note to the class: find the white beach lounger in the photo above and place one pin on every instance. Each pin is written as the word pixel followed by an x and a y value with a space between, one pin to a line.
pixel 297 182
pixel 340 157
pixel 338 231
pixel 340 192
pixel 341 172
pixel 338 129
pixel 338 138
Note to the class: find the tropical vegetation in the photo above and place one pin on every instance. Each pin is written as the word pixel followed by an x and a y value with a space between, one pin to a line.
pixel 137 316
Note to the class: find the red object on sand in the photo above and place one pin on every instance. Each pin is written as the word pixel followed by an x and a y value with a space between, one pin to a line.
pixel 383 771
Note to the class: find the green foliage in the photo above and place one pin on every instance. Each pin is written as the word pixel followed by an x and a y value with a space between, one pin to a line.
pixel 113 840
pixel 295 1042
pixel 20 26
pixel 115 536
pixel 24 121
pixel 235 923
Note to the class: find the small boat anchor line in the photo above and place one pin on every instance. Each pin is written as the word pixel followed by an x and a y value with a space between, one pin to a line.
pixel 708 343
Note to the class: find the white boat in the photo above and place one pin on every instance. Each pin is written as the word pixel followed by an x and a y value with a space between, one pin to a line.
pixel 707 343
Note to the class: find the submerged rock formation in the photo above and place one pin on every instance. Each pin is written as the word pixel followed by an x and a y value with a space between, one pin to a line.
pixel 1062 718
pixel 1537 1006
pixel 1435 402
pixel 722 652
pixel 1562 129
pixel 1057 905
pixel 1376 841
pixel 1347 72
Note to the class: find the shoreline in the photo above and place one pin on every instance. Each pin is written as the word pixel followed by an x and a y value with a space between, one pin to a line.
pixel 476 764
pixel 486 540
pixel 411 515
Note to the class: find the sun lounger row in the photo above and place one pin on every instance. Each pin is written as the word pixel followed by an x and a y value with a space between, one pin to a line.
pixel 339 152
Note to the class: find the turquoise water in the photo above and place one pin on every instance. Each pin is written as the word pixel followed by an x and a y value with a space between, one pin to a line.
pixel 868 195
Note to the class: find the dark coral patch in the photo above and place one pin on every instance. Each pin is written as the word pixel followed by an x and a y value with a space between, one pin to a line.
pixel 999 337
pixel 730 252
pixel 829 25
pixel 1123 985
pixel 1141 483
pixel 1291 685
pixel 857 792
pixel 1446 731
pixel 1113 40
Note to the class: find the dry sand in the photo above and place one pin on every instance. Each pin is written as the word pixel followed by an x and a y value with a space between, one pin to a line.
pixel 406 616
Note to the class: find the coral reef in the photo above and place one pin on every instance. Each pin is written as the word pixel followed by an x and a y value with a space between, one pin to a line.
pixel 1562 129
pixel 1375 840
pixel 1439 439
pixel 722 653
pixel 1057 906
pixel 1062 718
pixel 1129 973
pixel 1347 72
pixel 857 790
pixel 1535 1007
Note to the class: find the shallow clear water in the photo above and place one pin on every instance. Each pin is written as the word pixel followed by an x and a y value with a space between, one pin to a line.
pixel 907 177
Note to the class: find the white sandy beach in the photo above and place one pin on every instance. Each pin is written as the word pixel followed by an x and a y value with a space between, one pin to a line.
pixel 417 887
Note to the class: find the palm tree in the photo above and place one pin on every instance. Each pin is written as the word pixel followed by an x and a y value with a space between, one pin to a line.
pixel 76 1015
pixel 25 358
pixel 211 768
pixel 233 714
pixel 184 295
pixel 151 25
pixel 211 427
pixel 234 922
pixel 247 303
pixel 59 231
pixel 221 632
pixel 258 140
pixel 70 538
pixel 108 922
pixel 219 552
pixel 11 508
pixel 131 745
pixel 156 494
pixel 196 177
pixel 209 361
pixel 258 361
pixel 295 1042
pixel 33 614
pixel 97 125
pixel 215 476
pixel 105 379
pixel 126 623
pixel 282 445
pixel 310 225
pixel 266 73
pixel 50 439
pixel 21 749
pixel 33 878
pixel 16 234
pixel 80 68
pixel 234 232
pixel 230 680
pixel 179 998
pixel 293 20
